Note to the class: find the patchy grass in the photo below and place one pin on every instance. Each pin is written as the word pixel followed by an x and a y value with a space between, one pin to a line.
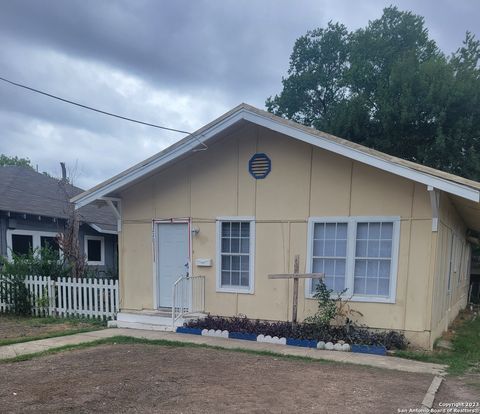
pixel 465 356
pixel 114 340
pixel 16 329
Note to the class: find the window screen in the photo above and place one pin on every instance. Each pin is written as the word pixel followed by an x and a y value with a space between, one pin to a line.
pixel 373 258
pixel 235 254
pixel 330 254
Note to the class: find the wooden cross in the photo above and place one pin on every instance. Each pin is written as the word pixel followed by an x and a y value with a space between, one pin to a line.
pixel 295 276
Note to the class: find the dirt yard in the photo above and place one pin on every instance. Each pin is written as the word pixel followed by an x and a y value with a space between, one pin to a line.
pixel 465 388
pixel 22 328
pixel 138 378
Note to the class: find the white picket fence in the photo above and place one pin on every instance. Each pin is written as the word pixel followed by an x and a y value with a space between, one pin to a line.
pixel 88 297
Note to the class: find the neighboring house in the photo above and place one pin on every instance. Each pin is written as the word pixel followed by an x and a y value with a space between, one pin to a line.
pixel 238 199
pixel 34 209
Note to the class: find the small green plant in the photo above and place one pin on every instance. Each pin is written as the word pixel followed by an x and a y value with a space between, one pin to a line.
pixel 331 307
pixel 327 305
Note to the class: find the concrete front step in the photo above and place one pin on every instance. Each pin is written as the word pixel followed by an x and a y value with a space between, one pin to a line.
pixel 142 326
pixel 146 317
pixel 152 320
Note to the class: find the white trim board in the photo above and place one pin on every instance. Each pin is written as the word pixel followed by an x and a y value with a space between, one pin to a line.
pixel 242 112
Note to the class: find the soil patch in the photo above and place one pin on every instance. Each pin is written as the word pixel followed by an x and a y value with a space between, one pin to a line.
pixel 464 389
pixel 150 379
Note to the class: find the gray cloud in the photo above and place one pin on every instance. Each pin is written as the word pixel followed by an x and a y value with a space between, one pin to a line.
pixel 178 64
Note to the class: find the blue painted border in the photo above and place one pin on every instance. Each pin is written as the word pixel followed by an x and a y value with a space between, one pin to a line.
pixel 191 331
pixel 269 168
pixel 369 349
pixel 241 335
pixel 305 343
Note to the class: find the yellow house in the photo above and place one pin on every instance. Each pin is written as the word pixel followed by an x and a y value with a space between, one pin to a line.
pixel 217 212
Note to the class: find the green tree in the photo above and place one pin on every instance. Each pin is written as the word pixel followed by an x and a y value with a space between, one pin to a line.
pixel 388 86
pixel 21 162
pixel 5 160
pixel 316 81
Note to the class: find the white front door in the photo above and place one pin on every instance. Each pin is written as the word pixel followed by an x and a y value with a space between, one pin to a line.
pixel 172 258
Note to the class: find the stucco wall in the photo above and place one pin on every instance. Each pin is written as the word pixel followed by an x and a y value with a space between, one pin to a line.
pixel 304 182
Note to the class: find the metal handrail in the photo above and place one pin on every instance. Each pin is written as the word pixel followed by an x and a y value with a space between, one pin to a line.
pixel 188 296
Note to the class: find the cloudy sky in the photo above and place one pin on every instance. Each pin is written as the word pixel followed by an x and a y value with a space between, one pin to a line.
pixel 174 63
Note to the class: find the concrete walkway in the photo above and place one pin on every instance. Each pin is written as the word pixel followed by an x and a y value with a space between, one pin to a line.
pixel 400 364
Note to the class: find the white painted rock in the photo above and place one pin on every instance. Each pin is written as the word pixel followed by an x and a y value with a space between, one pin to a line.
pixel 204 332
pixel 211 332
pixel 346 348
pixel 218 333
pixel 260 338
pixel 321 345
pixel 329 346
pixel 337 347
pixel 268 339
pixel 282 341
pixel 224 334
pixel 275 340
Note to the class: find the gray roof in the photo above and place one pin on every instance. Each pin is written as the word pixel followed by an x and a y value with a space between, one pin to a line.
pixel 23 190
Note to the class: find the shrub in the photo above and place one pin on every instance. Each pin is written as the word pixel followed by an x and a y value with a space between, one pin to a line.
pixel 349 333
pixel 327 305
pixel 331 307
pixel 39 262
pixel 14 292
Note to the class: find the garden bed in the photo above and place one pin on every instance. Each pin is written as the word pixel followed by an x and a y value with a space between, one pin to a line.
pixel 301 333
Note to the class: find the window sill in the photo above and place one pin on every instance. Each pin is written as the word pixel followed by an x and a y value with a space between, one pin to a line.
pixel 248 291
pixel 365 299
pixel 96 263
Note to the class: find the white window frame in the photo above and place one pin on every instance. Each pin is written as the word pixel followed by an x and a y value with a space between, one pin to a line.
pixel 251 277
pixel 36 239
pixel 86 238
pixel 350 264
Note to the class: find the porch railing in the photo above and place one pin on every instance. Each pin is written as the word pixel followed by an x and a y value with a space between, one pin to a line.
pixel 188 296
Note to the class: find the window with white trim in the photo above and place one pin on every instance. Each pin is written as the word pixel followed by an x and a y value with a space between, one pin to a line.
pixel 235 247
pixel 95 250
pixel 357 254
pixel 22 242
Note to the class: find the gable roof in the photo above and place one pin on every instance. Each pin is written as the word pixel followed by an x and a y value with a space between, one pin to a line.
pixel 452 184
pixel 26 191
